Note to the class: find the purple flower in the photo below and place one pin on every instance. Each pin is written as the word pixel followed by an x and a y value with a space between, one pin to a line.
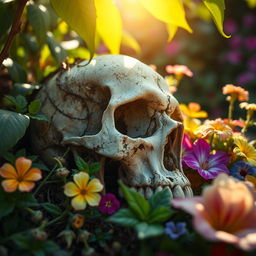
pixel 252 63
pixel 186 147
pixel 173 230
pixel 234 57
pixel 241 168
pixel 250 42
pixel 208 165
pixel 249 20
pixel 235 41
pixel 109 204
pixel 230 26
pixel 245 78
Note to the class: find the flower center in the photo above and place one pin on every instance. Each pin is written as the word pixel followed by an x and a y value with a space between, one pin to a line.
pixel 205 165
pixel 83 191
pixel 243 172
pixel 108 204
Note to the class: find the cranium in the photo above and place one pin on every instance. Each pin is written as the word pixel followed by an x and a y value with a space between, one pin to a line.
pixel 119 108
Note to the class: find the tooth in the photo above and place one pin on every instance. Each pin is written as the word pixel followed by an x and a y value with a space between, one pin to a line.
pixel 188 191
pixel 158 189
pixel 169 189
pixel 178 192
pixel 148 192
pixel 141 191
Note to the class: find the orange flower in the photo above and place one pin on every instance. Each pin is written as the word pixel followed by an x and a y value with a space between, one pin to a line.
pixel 236 91
pixel 179 70
pixel 217 127
pixel 193 110
pixel 248 106
pixel 225 212
pixel 78 221
pixel 22 177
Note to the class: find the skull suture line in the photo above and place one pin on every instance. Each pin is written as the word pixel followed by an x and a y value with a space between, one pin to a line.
pixel 120 108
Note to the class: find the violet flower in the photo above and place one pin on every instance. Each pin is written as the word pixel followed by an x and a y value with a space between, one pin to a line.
pixel 109 204
pixel 208 165
pixel 175 230
pixel 186 147
pixel 241 168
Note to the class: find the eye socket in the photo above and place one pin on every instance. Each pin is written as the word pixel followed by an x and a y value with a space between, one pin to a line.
pixel 136 119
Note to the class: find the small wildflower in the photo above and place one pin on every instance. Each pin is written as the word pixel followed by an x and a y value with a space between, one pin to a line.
pixel 67 236
pixel 237 91
pixel 83 191
pixel 245 150
pixel 78 221
pixel 21 177
pixel 248 106
pixel 225 212
pixel 191 125
pixel 109 204
pixel 175 230
pixel 234 123
pixel 241 169
pixel 39 234
pixel 62 172
pixel 217 127
pixel 83 236
pixel 179 71
pixel 208 165
pixel 193 110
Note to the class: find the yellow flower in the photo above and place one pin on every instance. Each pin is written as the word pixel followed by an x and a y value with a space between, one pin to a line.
pixel 248 106
pixel 83 191
pixel 22 177
pixel 236 91
pixel 245 150
pixel 218 127
pixel 193 110
pixel 191 125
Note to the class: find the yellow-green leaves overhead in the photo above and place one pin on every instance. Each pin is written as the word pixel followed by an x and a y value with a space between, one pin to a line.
pixel 169 11
pixel 216 8
pixel 80 16
pixel 251 3
pixel 109 24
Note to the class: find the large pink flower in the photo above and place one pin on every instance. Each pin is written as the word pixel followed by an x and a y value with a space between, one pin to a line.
pixel 225 212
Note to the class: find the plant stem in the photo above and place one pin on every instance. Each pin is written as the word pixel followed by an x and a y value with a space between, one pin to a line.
pixel 231 108
pixel 14 30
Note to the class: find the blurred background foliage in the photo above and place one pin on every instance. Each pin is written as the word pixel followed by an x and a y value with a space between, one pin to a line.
pixel 45 41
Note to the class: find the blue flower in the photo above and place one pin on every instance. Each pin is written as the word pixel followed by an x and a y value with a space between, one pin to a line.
pixel 175 230
pixel 241 168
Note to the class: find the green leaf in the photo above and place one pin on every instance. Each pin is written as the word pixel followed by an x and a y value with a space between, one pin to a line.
pixel 159 215
pixel 38 18
pixel 94 167
pixel 168 11
pixel 12 128
pixel 80 15
pixel 21 104
pixel 56 49
pixel 145 230
pixel 216 8
pixel 52 208
pixel 109 24
pixel 34 107
pixel 40 118
pixel 6 207
pixel 124 217
pixel 81 164
pixel 6 16
pixel 138 204
pixel 25 199
pixel 162 198
pixel 16 71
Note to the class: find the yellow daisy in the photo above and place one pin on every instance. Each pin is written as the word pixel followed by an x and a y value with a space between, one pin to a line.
pixel 245 150
pixel 193 110
pixel 83 191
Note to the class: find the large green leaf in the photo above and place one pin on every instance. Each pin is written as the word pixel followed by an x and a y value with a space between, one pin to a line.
pixel 162 198
pixel 168 11
pixel 145 230
pixel 12 128
pixel 16 71
pixel 109 24
pixel 80 16
pixel 216 8
pixel 124 217
pixel 38 18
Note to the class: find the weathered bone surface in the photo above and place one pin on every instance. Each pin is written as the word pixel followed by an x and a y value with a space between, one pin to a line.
pixel 120 108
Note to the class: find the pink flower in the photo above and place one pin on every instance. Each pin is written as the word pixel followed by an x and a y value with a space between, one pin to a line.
pixel 186 147
pixel 234 57
pixel 250 42
pixel 172 48
pixel 230 26
pixel 235 41
pixel 179 70
pixel 225 212
pixel 109 204
pixel 208 165
pixel 245 78
pixel 252 63
pixel 249 20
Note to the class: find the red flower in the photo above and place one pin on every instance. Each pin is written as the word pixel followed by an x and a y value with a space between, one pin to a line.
pixel 109 204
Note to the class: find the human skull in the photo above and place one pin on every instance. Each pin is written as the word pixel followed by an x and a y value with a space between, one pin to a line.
pixel 119 108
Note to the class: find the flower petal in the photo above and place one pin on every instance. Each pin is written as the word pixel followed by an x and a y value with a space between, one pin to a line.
pixel 10 185
pixel 8 171
pixel 94 186
pixel 71 189
pixel 81 179
pixel 26 186
pixel 201 150
pixel 213 172
pixel 191 161
pixel 22 165
pixel 33 174
pixel 217 158
pixel 93 199
pixel 78 202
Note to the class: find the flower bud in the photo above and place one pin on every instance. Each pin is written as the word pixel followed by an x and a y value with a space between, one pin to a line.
pixel 77 221
pixel 62 172
pixel 39 234
pixel 116 246
pixel 83 237
pixel 37 216
pixel 67 236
